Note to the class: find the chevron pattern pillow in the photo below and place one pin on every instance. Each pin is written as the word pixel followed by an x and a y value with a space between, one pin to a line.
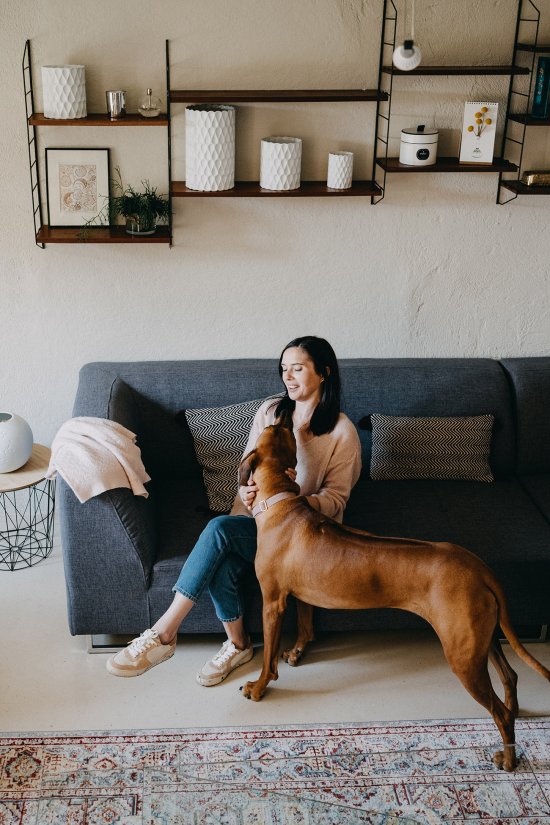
pixel 219 437
pixel 447 448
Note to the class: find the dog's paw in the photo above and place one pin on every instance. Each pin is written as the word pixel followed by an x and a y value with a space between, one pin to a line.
pixel 505 761
pixel 293 656
pixel 252 690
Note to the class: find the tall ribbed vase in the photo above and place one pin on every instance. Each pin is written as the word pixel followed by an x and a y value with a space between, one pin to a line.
pixel 210 147
pixel 64 91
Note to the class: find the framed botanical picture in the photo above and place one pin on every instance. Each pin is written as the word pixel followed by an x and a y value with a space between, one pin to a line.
pixel 77 183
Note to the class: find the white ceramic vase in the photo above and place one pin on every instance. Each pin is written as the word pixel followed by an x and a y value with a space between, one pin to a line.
pixel 280 163
pixel 340 170
pixel 16 441
pixel 64 91
pixel 210 147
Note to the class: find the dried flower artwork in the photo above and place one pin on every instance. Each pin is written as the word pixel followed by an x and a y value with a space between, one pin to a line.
pixel 77 187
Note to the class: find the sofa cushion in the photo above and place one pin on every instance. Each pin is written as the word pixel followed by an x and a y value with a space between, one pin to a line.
pixel 496 521
pixel 538 487
pixel 220 435
pixel 530 379
pixel 447 447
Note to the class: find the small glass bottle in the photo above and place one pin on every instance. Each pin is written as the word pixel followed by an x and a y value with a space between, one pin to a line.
pixel 149 106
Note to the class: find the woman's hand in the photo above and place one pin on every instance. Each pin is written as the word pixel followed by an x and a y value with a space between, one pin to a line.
pixel 247 494
pixel 291 473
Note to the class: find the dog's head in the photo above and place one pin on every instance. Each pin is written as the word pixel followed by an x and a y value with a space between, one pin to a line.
pixel 276 446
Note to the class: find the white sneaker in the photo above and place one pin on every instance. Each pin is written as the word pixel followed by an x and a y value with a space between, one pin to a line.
pixel 140 655
pixel 220 666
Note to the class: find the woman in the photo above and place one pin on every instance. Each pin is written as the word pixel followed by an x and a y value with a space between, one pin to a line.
pixel 328 465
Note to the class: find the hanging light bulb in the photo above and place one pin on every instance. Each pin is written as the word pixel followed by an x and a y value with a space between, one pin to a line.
pixel 407 56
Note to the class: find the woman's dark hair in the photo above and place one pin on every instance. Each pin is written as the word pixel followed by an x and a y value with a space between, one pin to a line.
pixel 324 360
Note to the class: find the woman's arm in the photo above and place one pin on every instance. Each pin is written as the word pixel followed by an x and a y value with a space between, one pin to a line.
pixel 341 475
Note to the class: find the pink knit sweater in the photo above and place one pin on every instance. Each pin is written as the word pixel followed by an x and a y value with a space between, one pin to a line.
pixel 328 465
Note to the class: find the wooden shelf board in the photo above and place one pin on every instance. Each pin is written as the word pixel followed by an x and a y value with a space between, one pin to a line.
pixel 529 47
pixel 99 234
pixel 251 188
pixel 459 70
pixel 274 95
pixel 99 119
pixel 447 165
pixel 529 120
pixel 522 189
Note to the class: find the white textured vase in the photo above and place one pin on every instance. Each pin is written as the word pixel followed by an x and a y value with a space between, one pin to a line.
pixel 280 163
pixel 16 441
pixel 210 147
pixel 340 170
pixel 64 90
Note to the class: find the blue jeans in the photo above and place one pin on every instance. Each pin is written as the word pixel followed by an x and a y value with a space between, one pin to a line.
pixel 226 546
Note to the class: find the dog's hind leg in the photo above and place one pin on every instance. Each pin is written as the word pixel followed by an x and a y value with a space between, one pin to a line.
pixel 506 674
pixel 304 613
pixel 273 612
pixel 471 668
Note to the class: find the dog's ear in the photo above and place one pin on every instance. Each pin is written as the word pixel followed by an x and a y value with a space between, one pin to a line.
pixel 246 467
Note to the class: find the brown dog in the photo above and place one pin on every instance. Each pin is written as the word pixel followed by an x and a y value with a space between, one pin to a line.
pixel 323 563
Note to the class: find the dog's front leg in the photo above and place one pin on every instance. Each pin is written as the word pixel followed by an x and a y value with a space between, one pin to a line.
pixel 272 616
pixel 305 633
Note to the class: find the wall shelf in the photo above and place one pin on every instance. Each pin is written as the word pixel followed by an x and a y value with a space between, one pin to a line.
pixel 519 100
pixel 246 189
pixel 275 96
pixel 99 234
pixel 458 70
pixel 447 165
pixel 98 119
pixel 520 188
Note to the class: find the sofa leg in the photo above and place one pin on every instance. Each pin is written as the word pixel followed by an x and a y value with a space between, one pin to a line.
pixel 105 643
pixel 542 637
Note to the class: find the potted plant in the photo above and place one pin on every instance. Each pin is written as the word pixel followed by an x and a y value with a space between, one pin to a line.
pixel 140 209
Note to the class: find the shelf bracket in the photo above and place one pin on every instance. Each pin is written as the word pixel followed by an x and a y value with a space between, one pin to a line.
pixel 387 40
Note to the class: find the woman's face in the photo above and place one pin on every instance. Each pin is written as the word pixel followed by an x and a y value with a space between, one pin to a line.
pixel 299 376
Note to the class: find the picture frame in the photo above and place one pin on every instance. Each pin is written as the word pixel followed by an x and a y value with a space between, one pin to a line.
pixel 77 186
pixel 477 143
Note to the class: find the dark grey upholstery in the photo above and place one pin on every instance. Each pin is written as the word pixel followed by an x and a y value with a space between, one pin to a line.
pixel 123 554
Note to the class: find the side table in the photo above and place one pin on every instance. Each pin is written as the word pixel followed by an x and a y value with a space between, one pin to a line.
pixel 27 501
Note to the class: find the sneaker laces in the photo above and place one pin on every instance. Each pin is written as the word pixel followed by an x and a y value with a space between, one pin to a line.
pixel 149 638
pixel 223 655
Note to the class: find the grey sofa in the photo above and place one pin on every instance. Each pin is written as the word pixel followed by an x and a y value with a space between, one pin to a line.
pixel 122 554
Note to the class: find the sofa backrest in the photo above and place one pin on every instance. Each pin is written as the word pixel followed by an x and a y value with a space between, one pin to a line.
pixel 402 386
pixel 530 379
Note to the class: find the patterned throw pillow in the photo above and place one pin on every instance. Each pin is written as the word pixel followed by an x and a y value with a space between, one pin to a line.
pixel 446 448
pixel 219 436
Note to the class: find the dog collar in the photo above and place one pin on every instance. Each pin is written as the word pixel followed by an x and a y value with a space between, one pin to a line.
pixel 266 503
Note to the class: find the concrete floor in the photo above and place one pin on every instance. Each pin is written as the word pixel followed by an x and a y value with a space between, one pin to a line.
pixel 49 682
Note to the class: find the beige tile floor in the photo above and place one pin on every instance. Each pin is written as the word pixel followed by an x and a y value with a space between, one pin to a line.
pixel 49 682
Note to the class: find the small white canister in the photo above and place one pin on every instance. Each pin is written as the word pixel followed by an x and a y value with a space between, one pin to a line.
pixel 418 146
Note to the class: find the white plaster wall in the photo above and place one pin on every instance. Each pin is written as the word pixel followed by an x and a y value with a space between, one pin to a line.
pixel 437 269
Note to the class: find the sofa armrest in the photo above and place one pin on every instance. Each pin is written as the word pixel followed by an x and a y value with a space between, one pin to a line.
pixel 109 542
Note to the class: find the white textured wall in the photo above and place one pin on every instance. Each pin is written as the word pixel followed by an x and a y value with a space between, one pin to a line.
pixel 437 269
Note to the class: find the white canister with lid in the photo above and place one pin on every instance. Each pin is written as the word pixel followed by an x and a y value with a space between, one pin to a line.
pixel 418 146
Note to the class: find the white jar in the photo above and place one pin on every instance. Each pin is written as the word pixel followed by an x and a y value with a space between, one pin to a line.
pixel 16 441
pixel 280 163
pixel 418 146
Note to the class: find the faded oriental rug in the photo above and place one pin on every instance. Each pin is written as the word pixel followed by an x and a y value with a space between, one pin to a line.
pixel 396 773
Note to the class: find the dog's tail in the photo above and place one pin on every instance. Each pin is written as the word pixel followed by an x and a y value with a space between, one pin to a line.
pixel 509 632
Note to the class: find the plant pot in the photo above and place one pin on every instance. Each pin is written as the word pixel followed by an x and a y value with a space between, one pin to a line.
pixel 135 226
pixel 280 163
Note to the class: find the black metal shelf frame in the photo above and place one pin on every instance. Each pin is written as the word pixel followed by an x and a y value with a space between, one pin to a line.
pixel 516 97
pixel 32 144
pixel 383 107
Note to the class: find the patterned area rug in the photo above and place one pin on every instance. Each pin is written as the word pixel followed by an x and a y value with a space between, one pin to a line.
pixel 396 773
